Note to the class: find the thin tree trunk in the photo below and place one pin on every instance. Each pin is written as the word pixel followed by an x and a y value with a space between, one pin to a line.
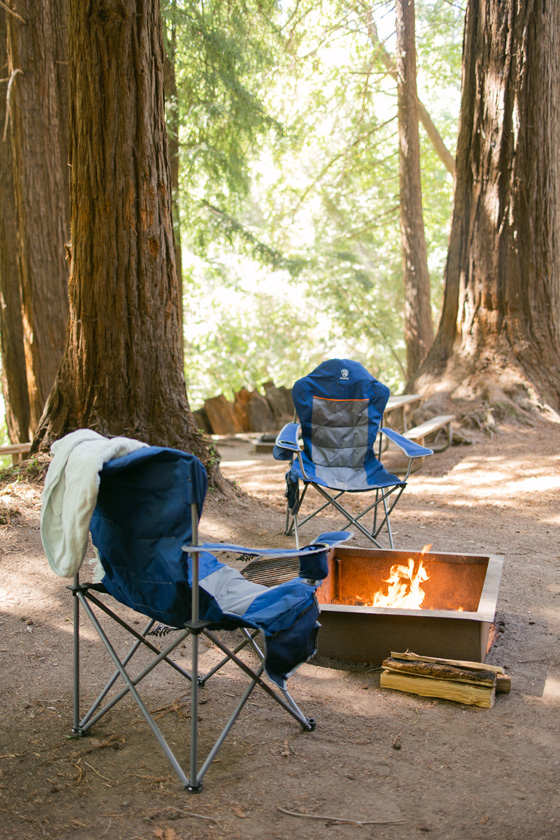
pixel 433 134
pixel 14 376
pixel 38 127
pixel 418 315
pixel 122 370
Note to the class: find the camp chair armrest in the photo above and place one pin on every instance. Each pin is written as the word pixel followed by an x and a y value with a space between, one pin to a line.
pixel 409 447
pixel 313 562
pixel 287 443
pixel 327 540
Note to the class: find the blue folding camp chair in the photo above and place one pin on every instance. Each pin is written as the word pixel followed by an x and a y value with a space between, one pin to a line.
pixel 145 529
pixel 340 407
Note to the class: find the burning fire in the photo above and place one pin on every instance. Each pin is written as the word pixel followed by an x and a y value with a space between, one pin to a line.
pixel 405 586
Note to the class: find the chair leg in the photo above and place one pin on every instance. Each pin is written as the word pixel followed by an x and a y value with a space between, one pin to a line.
pixel 381 497
pixel 292 514
pixel 396 493
pixel 203 680
pixel 192 782
pixel 85 720
pixel 76 657
pixel 296 530
pixel 323 507
pixel 294 712
pixel 229 725
pixel 387 522
pixel 139 702
pixel 289 699
pixel 93 716
pixel 352 520
pixel 195 784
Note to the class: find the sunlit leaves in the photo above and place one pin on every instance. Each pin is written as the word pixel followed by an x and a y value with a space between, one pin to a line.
pixel 290 182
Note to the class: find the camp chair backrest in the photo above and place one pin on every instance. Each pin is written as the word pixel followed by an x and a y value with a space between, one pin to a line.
pixel 339 406
pixel 141 522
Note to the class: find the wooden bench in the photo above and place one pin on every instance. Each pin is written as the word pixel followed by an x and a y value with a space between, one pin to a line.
pixel 419 433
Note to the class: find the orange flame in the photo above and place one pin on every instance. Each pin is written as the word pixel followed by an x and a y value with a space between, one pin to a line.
pixel 405 586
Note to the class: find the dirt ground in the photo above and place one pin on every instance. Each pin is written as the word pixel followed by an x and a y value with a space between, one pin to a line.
pixel 401 765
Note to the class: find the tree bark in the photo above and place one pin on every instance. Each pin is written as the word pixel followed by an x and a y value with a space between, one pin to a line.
pixel 122 370
pixel 499 333
pixel 418 327
pixel 14 376
pixel 38 128
pixel 172 98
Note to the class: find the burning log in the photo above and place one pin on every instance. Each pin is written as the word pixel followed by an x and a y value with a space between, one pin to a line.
pixel 472 683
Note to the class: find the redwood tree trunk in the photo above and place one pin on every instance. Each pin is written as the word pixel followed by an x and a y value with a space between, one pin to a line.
pixel 418 328
pixel 499 332
pixel 122 371
pixel 14 376
pixel 173 123
pixel 39 124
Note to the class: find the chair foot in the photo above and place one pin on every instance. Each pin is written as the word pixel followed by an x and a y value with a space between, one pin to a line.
pixel 311 725
pixel 77 733
pixel 194 788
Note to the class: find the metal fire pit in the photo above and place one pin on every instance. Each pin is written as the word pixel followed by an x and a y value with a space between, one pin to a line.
pixel 368 634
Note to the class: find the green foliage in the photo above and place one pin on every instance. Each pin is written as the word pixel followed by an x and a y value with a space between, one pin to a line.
pixel 240 336
pixel 30 470
pixel 222 52
pixel 5 461
pixel 290 183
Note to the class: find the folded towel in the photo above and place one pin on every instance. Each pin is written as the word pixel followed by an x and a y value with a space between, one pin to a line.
pixel 70 494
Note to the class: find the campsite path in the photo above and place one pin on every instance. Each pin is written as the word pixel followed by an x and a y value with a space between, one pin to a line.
pixel 402 765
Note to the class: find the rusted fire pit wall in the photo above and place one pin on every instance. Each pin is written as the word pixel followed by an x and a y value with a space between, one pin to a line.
pixel 368 634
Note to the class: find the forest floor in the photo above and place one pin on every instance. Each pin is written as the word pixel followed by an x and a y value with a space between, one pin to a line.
pixel 403 765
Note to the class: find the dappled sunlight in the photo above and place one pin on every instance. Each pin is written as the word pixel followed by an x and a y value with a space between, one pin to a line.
pixel 248 463
pixel 551 693
pixel 87 632
pixel 258 477
pixel 216 529
pixel 473 482
pixel 28 592
pixel 253 467
pixel 534 484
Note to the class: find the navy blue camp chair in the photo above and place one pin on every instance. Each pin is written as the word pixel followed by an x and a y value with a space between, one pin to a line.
pixel 145 529
pixel 340 407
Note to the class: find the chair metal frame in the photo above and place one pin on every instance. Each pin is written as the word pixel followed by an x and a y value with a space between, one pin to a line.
pixel 287 447
pixel 86 597
pixel 381 496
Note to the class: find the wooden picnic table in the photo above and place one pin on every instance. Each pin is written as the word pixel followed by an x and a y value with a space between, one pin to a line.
pixel 401 402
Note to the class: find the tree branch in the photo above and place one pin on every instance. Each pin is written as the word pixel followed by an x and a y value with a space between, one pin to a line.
pixel 11 12
pixel 8 94
pixel 338 820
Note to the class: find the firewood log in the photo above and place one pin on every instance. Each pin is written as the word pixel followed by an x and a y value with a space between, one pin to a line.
pixel 460 692
pixel 436 671
pixel 503 680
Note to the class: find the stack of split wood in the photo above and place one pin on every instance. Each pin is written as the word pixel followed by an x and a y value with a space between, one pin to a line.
pixel 250 411
pixel 473 683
